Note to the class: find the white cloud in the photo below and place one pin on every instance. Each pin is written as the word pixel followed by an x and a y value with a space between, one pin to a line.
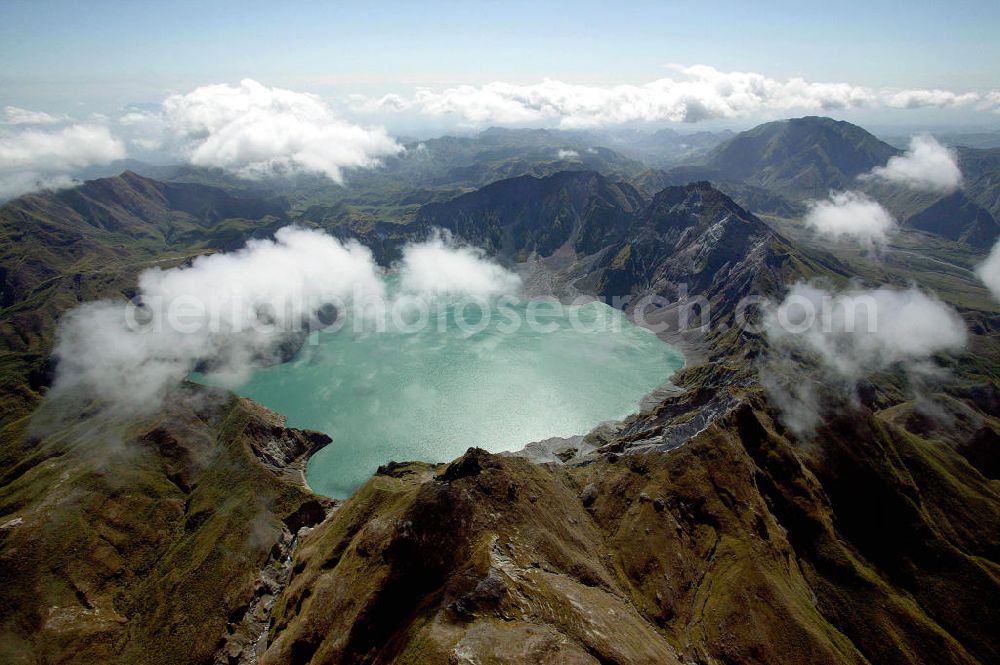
pixel 137 117
pixel 439 267
pixel 249 129
pixel 255 130
pixel 14 115
pixel 699 93
pixel 230 312
pixel 567 154
pixel 147 144
pixel 852 334
pixel 16 184
pixel 858 332
pixel 850 214
pixel 989 271
pixel 926 165
pixel 32 159
pixel 229 309
pixel 70 147
pixel 916 99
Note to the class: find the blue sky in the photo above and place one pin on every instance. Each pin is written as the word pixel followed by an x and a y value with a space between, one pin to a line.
pixel 101 55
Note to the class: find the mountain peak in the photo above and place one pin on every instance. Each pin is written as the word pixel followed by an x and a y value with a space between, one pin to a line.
pixel 701 193
pixel 800 157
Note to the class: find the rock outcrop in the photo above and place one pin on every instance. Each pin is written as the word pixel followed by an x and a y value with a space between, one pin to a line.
pixel 147 540
pixel 739 547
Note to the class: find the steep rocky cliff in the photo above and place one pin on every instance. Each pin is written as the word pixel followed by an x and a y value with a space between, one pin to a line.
pixel 742 546
pixel 699 531
pixel 143 539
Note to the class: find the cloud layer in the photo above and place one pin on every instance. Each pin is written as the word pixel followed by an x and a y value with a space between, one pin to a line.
pixel 699 93
pixel 439 267
pixel 850 214
pixel 989 271
pixel 858 332
pixel 69 147
pixel 926 165
pixel 851 335
pixel 256 130
pixel 14 115
pixel 230 309
pixel 227 313
pixel 249 129
pixel 31 159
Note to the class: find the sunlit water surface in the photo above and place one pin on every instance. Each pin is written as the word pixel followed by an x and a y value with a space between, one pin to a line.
pixel 431 394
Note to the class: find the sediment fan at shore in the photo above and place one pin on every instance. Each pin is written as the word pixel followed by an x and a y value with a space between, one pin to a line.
pixel 701 530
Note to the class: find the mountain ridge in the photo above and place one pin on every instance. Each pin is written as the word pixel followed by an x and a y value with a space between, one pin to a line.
pixel 801 157
pixel 493 557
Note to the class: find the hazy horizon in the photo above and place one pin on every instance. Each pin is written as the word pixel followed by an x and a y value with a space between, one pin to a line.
pixel 65 58
pixel 256 89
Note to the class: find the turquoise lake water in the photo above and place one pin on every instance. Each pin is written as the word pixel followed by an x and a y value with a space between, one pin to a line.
pixel 431 394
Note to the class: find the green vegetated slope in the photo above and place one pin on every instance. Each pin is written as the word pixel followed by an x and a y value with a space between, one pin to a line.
pixel 126 538
pixel 434 170
pixel 140 540
pixel 740 547
pixel 60 249
pixel 970 215
pixel 802 156
pixel 777 167
pixel 702 530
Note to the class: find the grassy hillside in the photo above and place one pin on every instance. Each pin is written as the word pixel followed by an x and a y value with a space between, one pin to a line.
pixel 128 539
pixel 740 547
pixel 702 530
pixel 801 157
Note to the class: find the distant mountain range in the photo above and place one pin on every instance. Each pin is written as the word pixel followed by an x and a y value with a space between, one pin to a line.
pixel 777 167
pixel 800 157
pixel 773 169
pixel 46 235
